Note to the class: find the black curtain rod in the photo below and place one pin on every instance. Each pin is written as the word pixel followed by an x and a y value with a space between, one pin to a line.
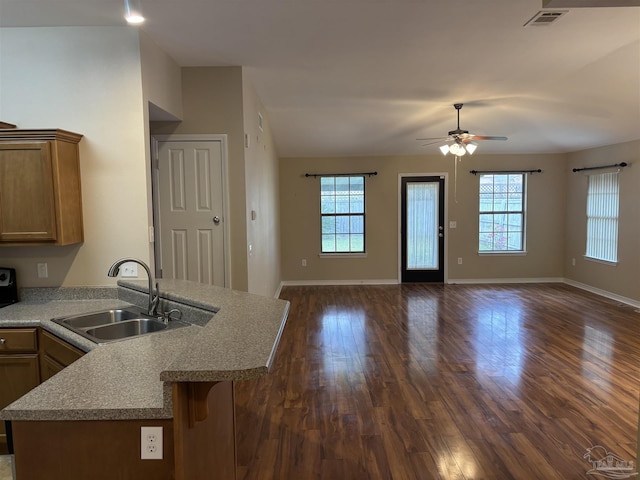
pixel 475 172
pixel 314 175
pixel 623 164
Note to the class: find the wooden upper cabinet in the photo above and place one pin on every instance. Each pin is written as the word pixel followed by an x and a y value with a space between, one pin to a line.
pixel 40 195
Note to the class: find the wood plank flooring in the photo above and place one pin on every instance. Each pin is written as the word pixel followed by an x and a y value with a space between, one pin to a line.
pixel 421 381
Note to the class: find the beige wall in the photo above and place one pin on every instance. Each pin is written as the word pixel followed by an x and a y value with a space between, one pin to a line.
pixel 212 104
pixel 161 78
pixel 221 100
pixel 621 279
pixel 300 233
pixel 262 187
pixel 162 96
pixel 86 80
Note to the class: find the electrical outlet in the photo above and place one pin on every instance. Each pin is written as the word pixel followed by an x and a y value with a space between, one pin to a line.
pixel 459 260
pixel 304 262
pixel 151 443
pixel 42 270
pixel 129 270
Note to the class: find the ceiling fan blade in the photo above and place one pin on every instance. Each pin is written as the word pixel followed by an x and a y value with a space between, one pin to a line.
pixel 434 142
pixel 432 138
pixel 485 137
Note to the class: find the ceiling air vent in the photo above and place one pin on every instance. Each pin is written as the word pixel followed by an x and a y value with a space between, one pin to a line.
pixel 544 18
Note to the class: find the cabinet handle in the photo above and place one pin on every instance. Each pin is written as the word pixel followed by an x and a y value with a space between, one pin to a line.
pixel 2 341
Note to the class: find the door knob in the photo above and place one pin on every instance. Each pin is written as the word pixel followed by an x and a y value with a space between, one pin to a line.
pixel 216 220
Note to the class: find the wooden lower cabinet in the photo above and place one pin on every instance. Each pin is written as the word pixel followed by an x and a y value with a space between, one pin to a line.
pixel 19 371
pixel 29 356
pixel 55 355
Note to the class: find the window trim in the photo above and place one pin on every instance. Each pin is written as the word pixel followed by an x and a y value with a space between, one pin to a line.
pixel 343 254
pixel 522 211
pixel 352 254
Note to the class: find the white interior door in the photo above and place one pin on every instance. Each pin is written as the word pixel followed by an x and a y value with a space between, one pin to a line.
pixel 190 201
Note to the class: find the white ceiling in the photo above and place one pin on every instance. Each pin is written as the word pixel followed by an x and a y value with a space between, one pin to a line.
pixel 368 77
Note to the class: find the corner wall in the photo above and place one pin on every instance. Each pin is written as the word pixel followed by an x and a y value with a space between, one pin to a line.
pixel 621 279
pixel 213 104
pixel 87 80
pixel 262 187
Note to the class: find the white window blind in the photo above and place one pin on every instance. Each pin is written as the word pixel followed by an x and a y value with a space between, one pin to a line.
pixel 422 225
pixel 602 216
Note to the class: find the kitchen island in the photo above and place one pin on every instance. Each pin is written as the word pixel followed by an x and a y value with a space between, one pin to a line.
pixel 85 421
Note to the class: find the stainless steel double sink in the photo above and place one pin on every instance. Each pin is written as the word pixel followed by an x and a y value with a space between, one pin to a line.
pixel 115 324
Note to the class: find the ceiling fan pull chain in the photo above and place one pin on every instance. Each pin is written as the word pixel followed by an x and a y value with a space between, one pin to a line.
pixel 455 178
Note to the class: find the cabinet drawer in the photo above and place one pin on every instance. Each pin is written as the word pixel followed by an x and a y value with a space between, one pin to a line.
pixel 18 340
pixel 58 350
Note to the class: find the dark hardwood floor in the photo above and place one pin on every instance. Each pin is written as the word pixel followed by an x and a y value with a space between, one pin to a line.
pixel 443 382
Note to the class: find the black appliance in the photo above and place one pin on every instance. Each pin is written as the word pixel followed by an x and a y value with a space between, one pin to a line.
pixel 8 287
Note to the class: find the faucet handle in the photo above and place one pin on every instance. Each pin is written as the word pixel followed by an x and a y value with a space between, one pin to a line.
pixel 168 315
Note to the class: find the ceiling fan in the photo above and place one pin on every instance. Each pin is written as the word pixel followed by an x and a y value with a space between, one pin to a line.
pixel 459 141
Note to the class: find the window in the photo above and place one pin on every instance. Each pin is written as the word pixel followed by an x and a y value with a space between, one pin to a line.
pixel 501 212
pixel 342 214
pixel 602 217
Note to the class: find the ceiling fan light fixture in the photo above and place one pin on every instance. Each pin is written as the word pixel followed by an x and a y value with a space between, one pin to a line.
pixel 471 147
pixel 133 12
pixel 444 149
pixel 457 149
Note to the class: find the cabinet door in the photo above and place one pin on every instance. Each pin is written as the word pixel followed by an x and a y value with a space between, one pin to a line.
pixel 55 355
pixel 49 367
pixel 18 375
pixel 27 203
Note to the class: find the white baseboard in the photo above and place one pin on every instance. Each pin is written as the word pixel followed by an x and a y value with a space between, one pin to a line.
pixel 603 293
pixel 299 283
pixel 470 281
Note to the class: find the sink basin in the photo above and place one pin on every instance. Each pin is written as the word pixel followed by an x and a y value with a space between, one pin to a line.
pixel 115 324
pixel 127 328
pixel 95 319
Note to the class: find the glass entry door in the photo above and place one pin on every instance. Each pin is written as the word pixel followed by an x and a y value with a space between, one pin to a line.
pixel 422 229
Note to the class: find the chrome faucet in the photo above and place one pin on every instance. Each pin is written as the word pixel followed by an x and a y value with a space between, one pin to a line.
pixel 154 295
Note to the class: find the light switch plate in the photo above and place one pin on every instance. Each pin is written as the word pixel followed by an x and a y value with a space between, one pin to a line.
pixel 129 270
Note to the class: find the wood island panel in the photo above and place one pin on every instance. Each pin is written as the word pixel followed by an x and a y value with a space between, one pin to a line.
pixel 204 428
pixel 93 450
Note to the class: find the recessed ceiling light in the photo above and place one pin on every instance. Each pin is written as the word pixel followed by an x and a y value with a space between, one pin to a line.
pixel 133 12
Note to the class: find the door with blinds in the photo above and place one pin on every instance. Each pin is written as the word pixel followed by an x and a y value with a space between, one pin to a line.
pixel 422 229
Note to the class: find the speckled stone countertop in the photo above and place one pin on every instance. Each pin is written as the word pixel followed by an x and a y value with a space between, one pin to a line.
pixel 131 379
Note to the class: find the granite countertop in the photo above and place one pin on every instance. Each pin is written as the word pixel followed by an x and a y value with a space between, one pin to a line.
pixel 131 379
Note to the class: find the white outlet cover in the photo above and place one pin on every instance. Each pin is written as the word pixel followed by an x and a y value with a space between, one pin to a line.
pixel 151 443
pixel 42 270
